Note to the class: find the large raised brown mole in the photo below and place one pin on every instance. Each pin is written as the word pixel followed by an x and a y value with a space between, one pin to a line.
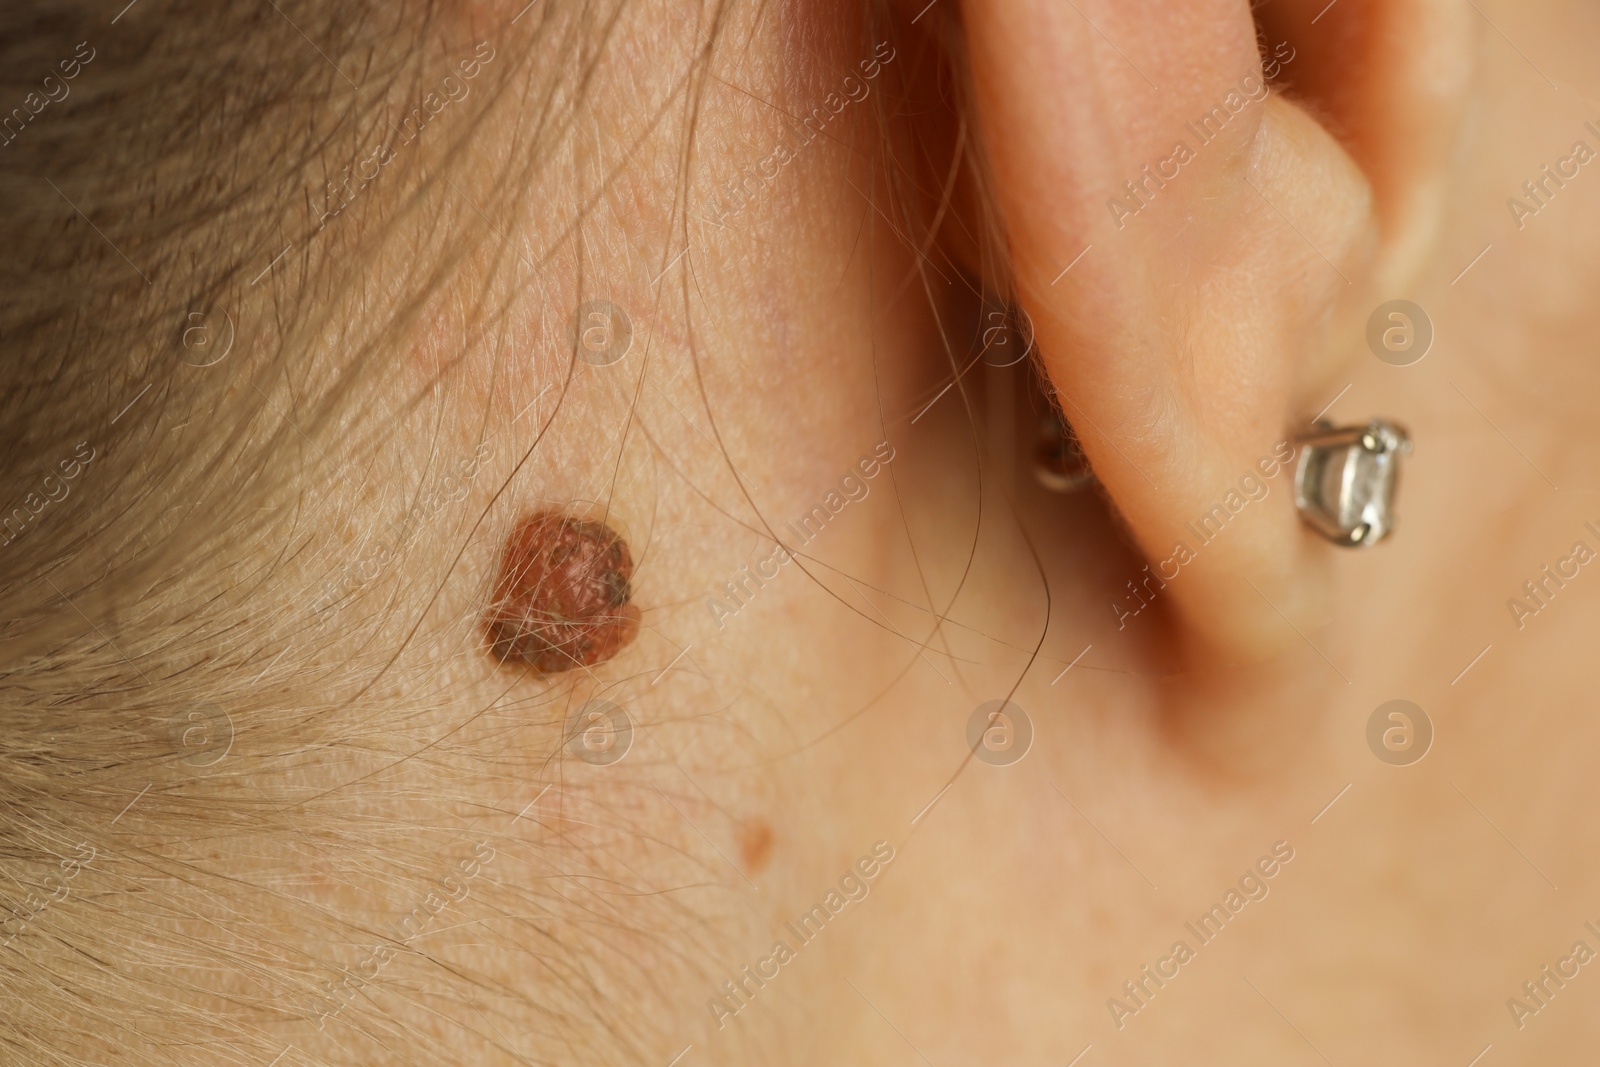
pixel 562 598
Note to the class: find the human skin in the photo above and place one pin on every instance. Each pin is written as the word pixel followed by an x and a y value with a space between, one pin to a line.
pixel 775 746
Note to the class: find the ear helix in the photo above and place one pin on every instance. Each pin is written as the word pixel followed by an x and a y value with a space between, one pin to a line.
pixel 1182 238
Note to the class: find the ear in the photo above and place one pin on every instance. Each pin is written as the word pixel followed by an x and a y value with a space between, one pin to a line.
pixel 1199 254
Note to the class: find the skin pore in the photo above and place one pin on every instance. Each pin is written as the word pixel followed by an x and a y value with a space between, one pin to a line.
pixel 411 852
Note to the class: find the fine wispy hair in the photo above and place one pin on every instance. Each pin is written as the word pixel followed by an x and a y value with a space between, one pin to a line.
pixel 201 323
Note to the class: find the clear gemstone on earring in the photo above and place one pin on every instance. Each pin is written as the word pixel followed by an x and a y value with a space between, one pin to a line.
pixel 1345 482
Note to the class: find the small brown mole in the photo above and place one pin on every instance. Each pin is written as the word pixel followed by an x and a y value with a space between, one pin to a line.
pixel 562 599
pixel 755 844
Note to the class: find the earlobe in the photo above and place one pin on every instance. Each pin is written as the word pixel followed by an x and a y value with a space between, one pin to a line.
pixel 1195 322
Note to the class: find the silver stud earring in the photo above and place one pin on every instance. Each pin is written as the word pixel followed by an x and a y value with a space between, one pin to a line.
pixel 1345 481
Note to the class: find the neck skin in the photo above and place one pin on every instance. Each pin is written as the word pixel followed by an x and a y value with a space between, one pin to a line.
pixel 825 710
